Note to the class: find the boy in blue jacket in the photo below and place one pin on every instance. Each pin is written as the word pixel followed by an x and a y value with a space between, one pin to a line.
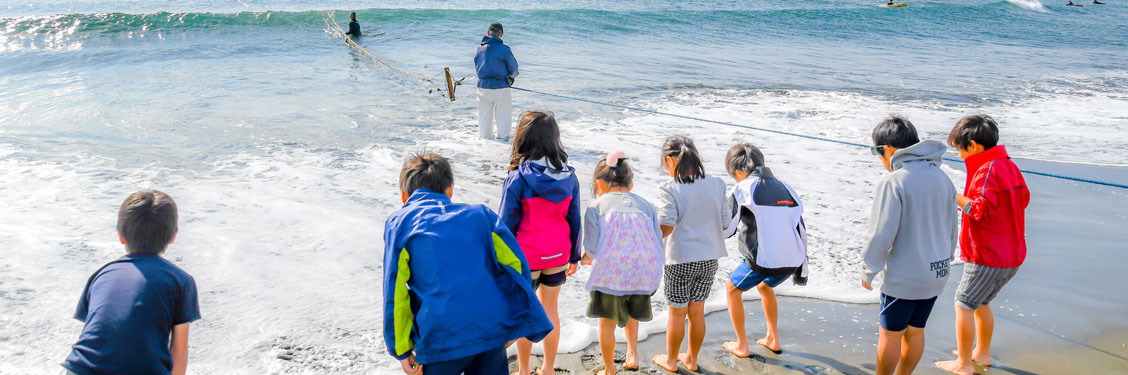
pixel 457 289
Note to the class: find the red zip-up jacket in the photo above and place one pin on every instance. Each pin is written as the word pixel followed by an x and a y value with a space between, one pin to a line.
pixel 994 221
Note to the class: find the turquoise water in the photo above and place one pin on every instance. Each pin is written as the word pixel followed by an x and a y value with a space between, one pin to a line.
pixel 282 145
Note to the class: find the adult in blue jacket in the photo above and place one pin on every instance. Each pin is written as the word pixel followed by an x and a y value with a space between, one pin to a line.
pixel 497 68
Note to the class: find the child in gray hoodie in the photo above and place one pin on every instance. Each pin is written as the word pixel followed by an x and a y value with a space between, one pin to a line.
pixel 913 234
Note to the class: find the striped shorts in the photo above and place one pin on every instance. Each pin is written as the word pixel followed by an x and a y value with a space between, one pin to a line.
pixel 689 282
pixel 980 284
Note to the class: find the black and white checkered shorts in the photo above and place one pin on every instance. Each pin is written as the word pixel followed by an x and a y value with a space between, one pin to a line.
pixel 689 282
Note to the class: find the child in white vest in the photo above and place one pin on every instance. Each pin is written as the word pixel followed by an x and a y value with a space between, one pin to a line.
pixel 773 240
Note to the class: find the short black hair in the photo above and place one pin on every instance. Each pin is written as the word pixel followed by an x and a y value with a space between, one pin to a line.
pixel 743 157
pixel 147 222
pixel 688 166
pixel 979 128
pixel 496 29
pixel 426 170
pixel 896 132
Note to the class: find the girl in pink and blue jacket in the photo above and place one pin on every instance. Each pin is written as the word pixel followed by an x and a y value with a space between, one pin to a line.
pixel 541 206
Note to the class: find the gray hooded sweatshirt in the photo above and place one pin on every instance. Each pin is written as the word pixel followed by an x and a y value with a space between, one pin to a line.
pixel 914 225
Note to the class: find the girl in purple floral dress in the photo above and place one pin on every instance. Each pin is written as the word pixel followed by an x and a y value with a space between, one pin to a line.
pixel 624 242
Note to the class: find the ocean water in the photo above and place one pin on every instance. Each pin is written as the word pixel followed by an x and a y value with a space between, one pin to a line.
pixel 282 145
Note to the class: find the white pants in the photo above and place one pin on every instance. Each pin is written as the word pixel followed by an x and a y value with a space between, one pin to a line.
pixel 494 105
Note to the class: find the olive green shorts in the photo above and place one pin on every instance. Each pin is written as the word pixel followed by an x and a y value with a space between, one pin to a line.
pixel 620 308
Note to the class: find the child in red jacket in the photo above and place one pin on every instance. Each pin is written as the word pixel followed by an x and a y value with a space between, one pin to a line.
pixel 992 238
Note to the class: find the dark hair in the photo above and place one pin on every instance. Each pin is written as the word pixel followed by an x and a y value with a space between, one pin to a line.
pixel 687 164
pixel 352 15
pixel 979 128
pixel 537 137
pixel 620 175
pixel 426 170
pixel 496 29
pixel 743 157
pixel 147 222
pixel 896 132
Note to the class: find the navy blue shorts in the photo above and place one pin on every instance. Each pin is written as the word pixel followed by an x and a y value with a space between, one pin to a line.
pixel 490 362
pixel 898 314
pixel 744 278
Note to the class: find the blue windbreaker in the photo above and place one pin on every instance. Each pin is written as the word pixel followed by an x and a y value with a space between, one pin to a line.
pixel 494 63
pixel 455 282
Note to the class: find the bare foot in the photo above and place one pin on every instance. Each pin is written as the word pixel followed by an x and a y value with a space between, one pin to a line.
pixel 630 362
pixel 982 360
pixel 690 362
pixel 605 372
pixel 543 371
pixel 665 362
pixel 955 367
pixel 772 345
pixel 734 348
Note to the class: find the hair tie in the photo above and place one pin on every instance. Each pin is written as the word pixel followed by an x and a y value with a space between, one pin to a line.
pixel 614 157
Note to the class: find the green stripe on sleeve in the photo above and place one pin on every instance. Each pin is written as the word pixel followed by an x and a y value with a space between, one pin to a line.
pixel 505 255
pixel 404 318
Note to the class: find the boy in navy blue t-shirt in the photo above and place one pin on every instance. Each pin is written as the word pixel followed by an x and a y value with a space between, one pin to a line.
pixel 137 308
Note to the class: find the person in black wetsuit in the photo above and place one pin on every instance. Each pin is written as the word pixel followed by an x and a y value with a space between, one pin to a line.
pixel 354 27
pixel 1097 2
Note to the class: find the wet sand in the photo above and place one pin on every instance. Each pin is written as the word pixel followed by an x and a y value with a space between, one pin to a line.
pixel 1066 312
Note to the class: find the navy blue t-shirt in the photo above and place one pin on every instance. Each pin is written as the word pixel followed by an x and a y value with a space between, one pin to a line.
pixel 130 307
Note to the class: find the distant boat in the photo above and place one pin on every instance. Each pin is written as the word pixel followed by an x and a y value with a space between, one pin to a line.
pixel 901 5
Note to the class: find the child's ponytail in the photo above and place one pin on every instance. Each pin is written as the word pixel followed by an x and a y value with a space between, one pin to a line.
pixel 687 165
pixel 614 171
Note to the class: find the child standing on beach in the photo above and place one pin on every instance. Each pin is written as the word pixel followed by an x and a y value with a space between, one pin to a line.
pixel 913 230
pixel 773 241
pixel 541 206
pixel 993 238
pixel 137 308
pixel 693 214
pixel 623 240
pixel 456 286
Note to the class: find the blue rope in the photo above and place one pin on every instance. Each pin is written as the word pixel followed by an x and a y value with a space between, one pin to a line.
pixel 817 138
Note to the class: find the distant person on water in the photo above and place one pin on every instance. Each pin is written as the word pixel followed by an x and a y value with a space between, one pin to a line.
pixel 993 238
pixel 354 27
pixel 913 232
pixel 456 285
pixel 137 308
pixel 772 239
pixel 1097 2
pixel 497 68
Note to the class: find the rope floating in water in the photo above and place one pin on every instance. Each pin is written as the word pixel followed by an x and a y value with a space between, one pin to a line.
pixel 450 84
pixel 812 137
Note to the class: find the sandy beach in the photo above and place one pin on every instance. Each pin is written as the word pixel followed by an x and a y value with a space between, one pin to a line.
pixel 1064 313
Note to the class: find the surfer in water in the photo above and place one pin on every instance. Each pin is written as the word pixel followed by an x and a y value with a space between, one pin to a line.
pixel 354 27
pixel 1097 2
pixel 890 2
pixel 1075 5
